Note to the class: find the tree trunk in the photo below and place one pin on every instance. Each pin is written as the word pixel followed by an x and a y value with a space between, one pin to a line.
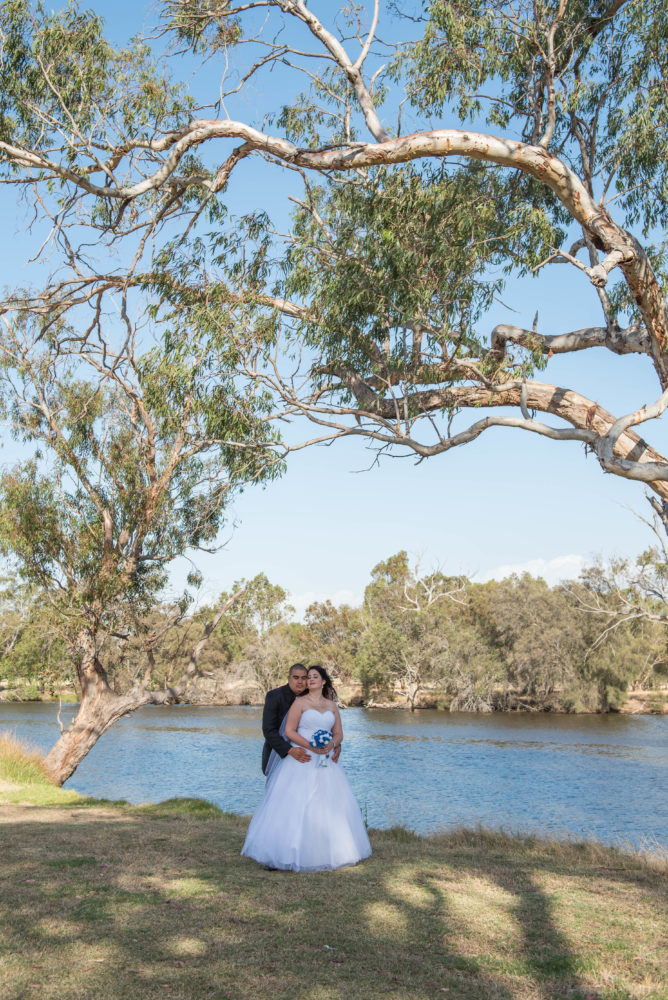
pixel 100 707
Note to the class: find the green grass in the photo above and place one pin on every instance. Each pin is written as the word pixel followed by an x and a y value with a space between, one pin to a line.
pixel 140 902
pixel 196 808
pixel 24 779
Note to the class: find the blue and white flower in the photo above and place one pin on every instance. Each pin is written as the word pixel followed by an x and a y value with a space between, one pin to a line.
pixel 321 738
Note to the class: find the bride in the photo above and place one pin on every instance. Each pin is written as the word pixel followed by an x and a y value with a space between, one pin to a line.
pixel 308 819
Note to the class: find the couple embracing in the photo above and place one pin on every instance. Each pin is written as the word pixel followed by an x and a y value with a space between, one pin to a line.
pixel 307 819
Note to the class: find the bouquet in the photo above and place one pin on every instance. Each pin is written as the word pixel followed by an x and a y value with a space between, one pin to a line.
pixel 321 738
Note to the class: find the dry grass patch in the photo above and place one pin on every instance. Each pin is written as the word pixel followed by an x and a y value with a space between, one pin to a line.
pixel 21 764
pixel 24 778
pixel 156 902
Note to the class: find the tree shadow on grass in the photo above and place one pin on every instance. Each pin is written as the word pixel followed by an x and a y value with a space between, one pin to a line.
pixel 125 905
pixel 558 892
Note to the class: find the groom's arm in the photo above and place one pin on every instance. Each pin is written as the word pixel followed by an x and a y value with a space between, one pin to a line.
pixel 271 724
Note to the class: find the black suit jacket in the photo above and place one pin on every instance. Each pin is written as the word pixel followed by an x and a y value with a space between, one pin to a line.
pixel 276 706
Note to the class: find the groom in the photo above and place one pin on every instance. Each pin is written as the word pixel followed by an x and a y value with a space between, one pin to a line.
pixel 276 706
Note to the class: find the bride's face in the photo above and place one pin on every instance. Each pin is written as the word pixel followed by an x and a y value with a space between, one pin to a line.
pixel 314 682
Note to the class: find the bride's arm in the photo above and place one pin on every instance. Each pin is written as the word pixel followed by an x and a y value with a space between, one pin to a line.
pixel 291 723
pixel 337 729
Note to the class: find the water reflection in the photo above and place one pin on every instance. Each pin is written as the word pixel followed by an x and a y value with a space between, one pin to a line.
pixel 601 776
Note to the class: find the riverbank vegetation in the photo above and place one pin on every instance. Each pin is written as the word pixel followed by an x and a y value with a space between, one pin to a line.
pixel 418 638
pixel 105 899
pixel 19 765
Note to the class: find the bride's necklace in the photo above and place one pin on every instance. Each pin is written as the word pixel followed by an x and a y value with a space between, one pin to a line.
pixel 321 701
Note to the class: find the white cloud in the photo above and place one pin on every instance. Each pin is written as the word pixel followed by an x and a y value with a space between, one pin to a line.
pixel 300 602
pixel 551 570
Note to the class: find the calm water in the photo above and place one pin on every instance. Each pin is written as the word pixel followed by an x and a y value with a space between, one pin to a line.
pixel 599 776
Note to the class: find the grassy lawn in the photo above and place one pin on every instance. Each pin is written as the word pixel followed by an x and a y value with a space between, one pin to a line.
pixel 106 901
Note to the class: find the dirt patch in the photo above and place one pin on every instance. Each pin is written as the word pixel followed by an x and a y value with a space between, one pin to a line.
pixel 24 812
pixel 653 702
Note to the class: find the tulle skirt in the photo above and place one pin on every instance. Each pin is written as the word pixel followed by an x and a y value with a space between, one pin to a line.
pixel 308 819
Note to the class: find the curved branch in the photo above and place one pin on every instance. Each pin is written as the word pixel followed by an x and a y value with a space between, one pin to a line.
pixel 620 247
pixel 606 447
pixel 631 457
pixel 372 31
pixel 633 340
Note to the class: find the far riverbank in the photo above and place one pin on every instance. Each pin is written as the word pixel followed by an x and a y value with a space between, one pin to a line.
pixel 236 694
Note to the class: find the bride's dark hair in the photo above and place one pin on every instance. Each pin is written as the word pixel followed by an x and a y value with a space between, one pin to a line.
pixel 328 690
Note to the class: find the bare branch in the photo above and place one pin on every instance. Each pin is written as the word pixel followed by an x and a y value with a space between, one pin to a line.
pixel 177 691
pixel 633 340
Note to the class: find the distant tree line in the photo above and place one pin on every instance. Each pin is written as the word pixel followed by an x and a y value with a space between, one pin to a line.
pixel 417 639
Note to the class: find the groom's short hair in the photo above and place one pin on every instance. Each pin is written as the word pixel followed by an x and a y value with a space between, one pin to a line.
pixel 296 666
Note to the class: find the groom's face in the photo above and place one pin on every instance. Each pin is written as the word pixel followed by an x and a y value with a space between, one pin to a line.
pixel 297 681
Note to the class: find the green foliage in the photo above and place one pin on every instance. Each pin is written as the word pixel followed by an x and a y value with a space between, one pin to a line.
pixel 489 61
pixel 397 266
pixel 405 641
pixel 267 644
pixel 400 266
pixel 57 69
pixel 260 608
pixel 203 25
pixel 511 644
pixel 59 76
pixel 318 111
pixel 265 659
pixel 331 636
pixel 610 72
pixel 535 628
pixel 128 472
pixel 69 45
pixel 32 651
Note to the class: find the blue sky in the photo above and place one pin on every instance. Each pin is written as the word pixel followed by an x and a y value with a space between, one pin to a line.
pixel 510 501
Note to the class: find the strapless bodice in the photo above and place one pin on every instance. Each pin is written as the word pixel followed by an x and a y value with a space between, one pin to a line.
pixel 311 720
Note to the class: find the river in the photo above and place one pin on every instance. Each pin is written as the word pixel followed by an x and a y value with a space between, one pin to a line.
pixel 600 776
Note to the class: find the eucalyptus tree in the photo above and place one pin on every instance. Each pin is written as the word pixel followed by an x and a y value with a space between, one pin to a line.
pixel 132 451
pixel 33 657
pixel 260 621
pixel 625 603
pixel 331 636
pixel 537 141
pixel 406 641
pixel 395 270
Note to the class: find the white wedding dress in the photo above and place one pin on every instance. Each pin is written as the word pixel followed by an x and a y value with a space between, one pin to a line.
pixel 308 819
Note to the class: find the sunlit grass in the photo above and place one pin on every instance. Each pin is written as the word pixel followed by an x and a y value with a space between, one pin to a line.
pixel 120 901
pixel 24 780
pixel 197 808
